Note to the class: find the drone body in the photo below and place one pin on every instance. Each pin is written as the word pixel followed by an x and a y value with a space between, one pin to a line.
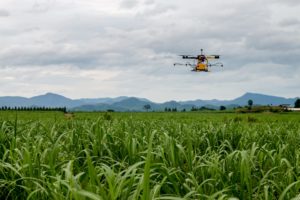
pixel 202 62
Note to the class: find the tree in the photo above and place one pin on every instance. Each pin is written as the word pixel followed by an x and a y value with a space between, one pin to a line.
pixel 222 108
pixel 250 103
pixel 194 108
pixel 147 107
pixel 297 103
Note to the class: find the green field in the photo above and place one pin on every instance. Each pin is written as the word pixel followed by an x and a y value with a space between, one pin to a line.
pixel 46 155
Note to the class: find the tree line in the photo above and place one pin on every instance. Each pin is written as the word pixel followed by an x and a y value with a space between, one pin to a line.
pixel 34 108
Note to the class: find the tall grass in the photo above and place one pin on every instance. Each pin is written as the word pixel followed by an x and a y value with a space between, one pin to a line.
pixel 149 158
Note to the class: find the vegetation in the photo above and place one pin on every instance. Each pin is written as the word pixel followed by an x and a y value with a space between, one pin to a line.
pixel 261 109
pixel 222 108
pixel 34 108
pixel 171 109
pixel 297 103
pixel 183 155
pixel 250 103
pixel 202 108
pixel 147 107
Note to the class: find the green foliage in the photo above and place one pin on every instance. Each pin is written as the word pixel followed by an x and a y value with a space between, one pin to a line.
pixel 202 108
pixel 172 110
pixel 34 108
pixel 183 155
pixel 107 116
pixel 261 109
pixel 222 108
pixel 250 102
pixel 237 119
pixel 252 119
pixel 147 107
pixel 297 103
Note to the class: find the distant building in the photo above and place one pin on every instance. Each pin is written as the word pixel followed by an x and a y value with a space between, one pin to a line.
pixel 294 109
pixel 289 107
pixel 285 105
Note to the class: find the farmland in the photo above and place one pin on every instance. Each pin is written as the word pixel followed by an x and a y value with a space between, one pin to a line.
pixel 47 155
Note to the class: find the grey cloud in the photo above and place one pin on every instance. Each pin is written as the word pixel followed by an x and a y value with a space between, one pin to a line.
pixel 289 22
pixel 142 44
pixel 4 13
pixel 149 2
pixel 39 55
pixel 156 11
pixel 274 42
pixel 287 2
pixel 128 4
pixel 117 45
pixel 41 6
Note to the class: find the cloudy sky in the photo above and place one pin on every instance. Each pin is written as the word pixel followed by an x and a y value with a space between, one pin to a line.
pixel 101 48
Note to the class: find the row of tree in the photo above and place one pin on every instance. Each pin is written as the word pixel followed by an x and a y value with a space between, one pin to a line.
pixel 172 109
pixel 34 108
pixel 148 107
pixel 297 103
pixel 222 108
pixel 202 108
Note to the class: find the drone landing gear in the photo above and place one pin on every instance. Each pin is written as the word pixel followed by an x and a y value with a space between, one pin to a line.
pixel 199 70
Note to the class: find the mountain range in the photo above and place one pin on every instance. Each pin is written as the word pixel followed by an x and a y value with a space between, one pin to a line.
pixel 124 103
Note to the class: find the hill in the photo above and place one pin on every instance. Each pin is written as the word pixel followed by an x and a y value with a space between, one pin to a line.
pixel 124 103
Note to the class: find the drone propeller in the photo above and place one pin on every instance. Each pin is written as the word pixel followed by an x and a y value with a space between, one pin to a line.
pixel 188 57
pixel 213 57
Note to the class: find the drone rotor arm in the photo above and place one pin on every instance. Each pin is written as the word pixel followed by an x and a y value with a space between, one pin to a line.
pixel 183 64
pixel 178 64
pixel 216 64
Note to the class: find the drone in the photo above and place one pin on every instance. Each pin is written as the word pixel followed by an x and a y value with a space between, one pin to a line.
pixel 201 62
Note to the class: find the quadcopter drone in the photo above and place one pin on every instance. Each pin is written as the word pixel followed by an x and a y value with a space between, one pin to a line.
pixel 202 62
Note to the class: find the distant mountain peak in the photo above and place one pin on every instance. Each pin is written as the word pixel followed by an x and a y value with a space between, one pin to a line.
pixel 262 99
pixel 52 94
pixel 252 94
pixel 172 102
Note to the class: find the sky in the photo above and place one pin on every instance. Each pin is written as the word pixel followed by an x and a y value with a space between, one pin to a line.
pixel 110 48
